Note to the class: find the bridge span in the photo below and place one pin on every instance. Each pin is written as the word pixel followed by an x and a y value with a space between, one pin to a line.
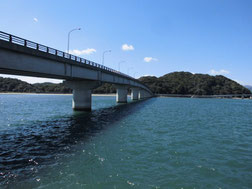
pixel 23 57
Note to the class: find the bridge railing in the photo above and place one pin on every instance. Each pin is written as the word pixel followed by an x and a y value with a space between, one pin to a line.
pixel 32 45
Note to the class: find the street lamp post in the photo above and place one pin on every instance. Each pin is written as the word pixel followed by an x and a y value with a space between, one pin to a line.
pixel 68 40
pixel 107 51
pixel 119 64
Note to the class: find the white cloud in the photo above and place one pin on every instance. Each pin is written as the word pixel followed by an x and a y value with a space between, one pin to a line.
pixel 81 52
pixel 126 47
pixel 150 59
pixel 35 19
pixel 220 72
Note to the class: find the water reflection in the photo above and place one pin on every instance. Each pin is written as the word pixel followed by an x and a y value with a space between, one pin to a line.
pixel 26 149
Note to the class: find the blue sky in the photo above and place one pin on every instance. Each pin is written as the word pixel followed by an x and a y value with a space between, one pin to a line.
pixel 159 37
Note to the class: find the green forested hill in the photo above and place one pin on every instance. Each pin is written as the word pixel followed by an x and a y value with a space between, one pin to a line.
pixel 15 85
pixel 51 88
pixel 196 84
pixel 248 87
pixel 172 83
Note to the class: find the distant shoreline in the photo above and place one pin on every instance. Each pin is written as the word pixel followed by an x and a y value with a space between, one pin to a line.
pixel 230 96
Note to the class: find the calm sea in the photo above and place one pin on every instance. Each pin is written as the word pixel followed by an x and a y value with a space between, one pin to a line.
pixel 155 143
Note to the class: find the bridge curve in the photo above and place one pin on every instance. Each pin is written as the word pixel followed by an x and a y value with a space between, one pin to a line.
pixel 19 56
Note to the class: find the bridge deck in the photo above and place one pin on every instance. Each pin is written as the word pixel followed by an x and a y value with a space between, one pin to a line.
pixel 23 57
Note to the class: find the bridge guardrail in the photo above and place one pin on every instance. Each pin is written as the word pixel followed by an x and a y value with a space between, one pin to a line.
pixel 42 48
pixel 30 44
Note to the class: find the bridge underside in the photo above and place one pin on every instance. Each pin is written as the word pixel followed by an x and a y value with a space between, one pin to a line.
pixel 82 78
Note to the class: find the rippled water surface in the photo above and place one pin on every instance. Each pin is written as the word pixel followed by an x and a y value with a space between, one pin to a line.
pixel 156 143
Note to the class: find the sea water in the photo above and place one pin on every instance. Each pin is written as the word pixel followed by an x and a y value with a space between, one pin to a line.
pixel 154 143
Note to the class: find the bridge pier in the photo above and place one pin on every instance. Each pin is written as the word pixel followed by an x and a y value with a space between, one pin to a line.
pixel 82 94
pixel 141 94
pixel 134 93
pixel 121 93
pixel 18 57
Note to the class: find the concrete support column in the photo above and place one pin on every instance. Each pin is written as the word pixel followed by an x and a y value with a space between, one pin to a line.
pixel 82 99
pixel 82 94
pixel 134 93
pixel 145 94
pixel 121 93
pixel 141 94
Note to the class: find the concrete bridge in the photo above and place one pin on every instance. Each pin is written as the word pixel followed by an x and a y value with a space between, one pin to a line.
pixel 23 57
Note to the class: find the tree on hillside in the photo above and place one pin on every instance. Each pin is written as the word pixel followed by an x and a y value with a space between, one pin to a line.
pixel 194 84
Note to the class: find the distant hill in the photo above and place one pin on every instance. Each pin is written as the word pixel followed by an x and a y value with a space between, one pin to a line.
pixel 195 84
pixel 172 83
pixel 51 88
pixel 248 87
pixel 18 86
pixel 15 85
